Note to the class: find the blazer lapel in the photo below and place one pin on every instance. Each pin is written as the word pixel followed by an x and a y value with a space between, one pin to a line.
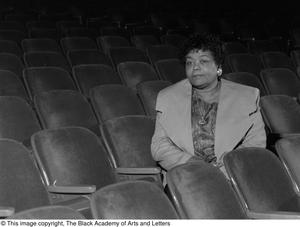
pixel 232 120
pixel 184 107
pixel 188 119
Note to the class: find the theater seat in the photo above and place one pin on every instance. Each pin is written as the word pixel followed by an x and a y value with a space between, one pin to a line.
pixel 173 39
pixel 12 63
pixel 107 42
pixel 60 108
pixel 11 47
pixel 260 46
pixel 123 54
pixel 262 183
pixel 13 35
pixel 89 76
pixel 128 140
pixel 277 59
pixel 288 150
pixel 148 91
pixel 295 56
pixel 11 85
pixel 244 62
pixel 72 161
pixel 280 114
pixel 146 30
pixel 62 25
pixel 170 69
pixel 142 42
pixel 81 32
pixel 246 78
pixel 17 118
pixel 12 25
pixel 160 52
pixel 280 81
pixel 44 32
pixel 199 190
pixel 106 30
pixel 77 43
pixel 48 212
pixel 234 48
pixel 114 100
pixel 31 45
pixel 21 185
pixel 132 73
pixel 132 200
pixel 81 57
pixel 42 79
pixel 46 58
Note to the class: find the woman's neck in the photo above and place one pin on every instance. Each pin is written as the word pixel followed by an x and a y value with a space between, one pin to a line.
pixel 210 94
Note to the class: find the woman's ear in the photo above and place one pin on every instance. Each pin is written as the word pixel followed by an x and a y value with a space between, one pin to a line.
pixel 219 71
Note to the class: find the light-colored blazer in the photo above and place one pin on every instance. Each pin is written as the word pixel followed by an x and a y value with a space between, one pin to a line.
pixel 238 124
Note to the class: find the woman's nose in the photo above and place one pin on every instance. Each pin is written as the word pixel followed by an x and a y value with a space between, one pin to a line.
pixel 197 65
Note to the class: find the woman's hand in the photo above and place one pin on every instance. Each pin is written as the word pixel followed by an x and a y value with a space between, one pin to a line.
pixel 198 158
pixel 195 159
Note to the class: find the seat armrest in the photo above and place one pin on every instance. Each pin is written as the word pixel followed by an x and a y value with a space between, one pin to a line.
pixel 289 134
pixel 6 211
pixel 78 189
pixel 273 215
pixel 138 171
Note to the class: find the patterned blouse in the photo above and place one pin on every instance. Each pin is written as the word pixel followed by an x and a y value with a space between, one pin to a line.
pixel 203 116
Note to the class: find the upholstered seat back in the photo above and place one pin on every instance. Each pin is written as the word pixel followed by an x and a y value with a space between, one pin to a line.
pixel 21 184
pixel 12 63
pixel 114 100
pixel 123 54
pixel 128 139
pixel 81 57
pixel 260 46
pixel 201 191
pixel 142 42
pixel 277 59
pixel 77 43
pixel 244 62
pixel 89 76
pixel 46 58
pixel 280 113
pixel 43 79
pixel 48 212
pixel 17 119
pixel 148 91
pixel 133 73
pixel 132 200
pixel 261 180
pixel 11 85
pixel 289 152
pixel 170 69
pixel 246 79
pixel 62 108
pixel 160 52
pixel 72 156
pixel 176 40
pixel 280 81
pixel 234 48
pixel 31 45
pixel 108 42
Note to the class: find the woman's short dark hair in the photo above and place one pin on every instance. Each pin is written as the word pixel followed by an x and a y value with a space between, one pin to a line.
pixel 205 42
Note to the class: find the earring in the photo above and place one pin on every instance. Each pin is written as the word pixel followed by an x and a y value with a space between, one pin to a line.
pixel 219 72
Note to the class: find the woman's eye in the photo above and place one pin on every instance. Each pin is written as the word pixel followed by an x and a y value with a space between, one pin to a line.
pixel 203 61
pixel 188 63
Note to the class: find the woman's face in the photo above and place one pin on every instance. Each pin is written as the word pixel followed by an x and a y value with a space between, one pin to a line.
pixel 201 69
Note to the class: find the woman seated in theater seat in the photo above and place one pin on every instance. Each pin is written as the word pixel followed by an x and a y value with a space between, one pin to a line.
pixel 204 116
